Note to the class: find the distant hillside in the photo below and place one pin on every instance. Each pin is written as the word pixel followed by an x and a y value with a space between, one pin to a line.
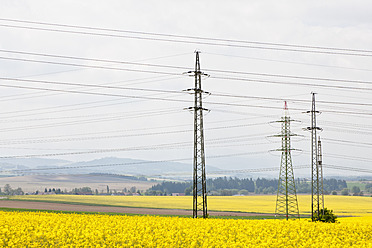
pixel 111 165
pixel 33 162
pixel 31 183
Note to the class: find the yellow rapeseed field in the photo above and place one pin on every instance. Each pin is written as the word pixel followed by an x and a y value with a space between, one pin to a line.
pixel 40 229
pixel 341 205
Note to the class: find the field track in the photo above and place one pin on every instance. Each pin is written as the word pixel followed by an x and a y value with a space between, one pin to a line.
pixel 106 209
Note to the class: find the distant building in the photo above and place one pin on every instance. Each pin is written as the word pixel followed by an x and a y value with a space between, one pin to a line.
pixel 178 194
pixel 46 193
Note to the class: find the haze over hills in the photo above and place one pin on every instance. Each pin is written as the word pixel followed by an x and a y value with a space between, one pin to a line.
pixel 148 168
pixel 235 167
pixel 108 165
pixel 38 173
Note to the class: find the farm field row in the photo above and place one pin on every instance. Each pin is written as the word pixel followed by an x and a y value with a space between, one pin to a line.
pixel 36 229
pixel 341 205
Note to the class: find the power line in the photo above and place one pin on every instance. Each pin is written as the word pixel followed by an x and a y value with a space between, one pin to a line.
pixel 111 115
pixel 132 163
pixel 42 94
pixel 89 85
pixel 353 158
pixel 287 99
pixel 344 130
pixel 184 36
pixel 90 59
pixel 87 66
pixel 216 77
pixel 174 91
pixel 134 148
pixel 192 39
pixel 253 170
pixel 224 139
pixel 147 128
pixel 161 99
pixel 88 93
pixel 169 67
pixel 289 62
pixel 226 77
pixel 175 145
pixel 79 122
pixel 347 168
pixel 347 141
pixel 74 105
pixel 292 83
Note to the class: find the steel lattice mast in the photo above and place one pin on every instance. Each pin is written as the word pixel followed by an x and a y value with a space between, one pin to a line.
pixel 286 202
pixel 316 189
pixel 320 166
pixel 199 175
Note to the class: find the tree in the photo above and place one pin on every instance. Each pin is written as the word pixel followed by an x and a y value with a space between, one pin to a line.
pixel 326 215
pixel 345 191
pixel 188 190
pixel 7 189
pixel 355 190
pixel 86 190
pixel 133 189
pixel 18 191
pixel 243 192
pixel 369 187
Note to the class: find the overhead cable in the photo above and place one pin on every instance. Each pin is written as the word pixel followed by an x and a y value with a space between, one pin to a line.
pixel 185 39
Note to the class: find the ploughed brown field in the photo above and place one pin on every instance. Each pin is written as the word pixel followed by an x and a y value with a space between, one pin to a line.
pixel 106 209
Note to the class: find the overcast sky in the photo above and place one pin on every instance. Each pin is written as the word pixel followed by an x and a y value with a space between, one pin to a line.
pixel 44 120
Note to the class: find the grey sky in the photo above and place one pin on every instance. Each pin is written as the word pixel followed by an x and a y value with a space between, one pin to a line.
pixel 31 118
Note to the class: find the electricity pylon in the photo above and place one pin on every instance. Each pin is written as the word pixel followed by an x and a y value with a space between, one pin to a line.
pixel 316 175
pixel 199 175
pixel 320 165
pixel 286 201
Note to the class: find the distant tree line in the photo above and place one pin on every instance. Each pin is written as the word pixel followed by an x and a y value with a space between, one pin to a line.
pixel 369 187
pixel 356 191
pixel 90 191
pixel 329 185
pixel 8 190
pixel 234 186
pixel 58 191
pixel 141 178
pixel 169 188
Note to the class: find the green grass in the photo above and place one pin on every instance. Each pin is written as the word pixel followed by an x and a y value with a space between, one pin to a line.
pixel 258 217
pixel 57 211
pixel 82 203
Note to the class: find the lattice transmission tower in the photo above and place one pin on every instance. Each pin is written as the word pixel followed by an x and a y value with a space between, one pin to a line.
pixel 286 201
pixel 316 171
pixel 320 165
pixel 199 174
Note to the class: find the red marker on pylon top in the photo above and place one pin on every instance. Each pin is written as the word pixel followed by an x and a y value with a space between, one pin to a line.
pixel 286 112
